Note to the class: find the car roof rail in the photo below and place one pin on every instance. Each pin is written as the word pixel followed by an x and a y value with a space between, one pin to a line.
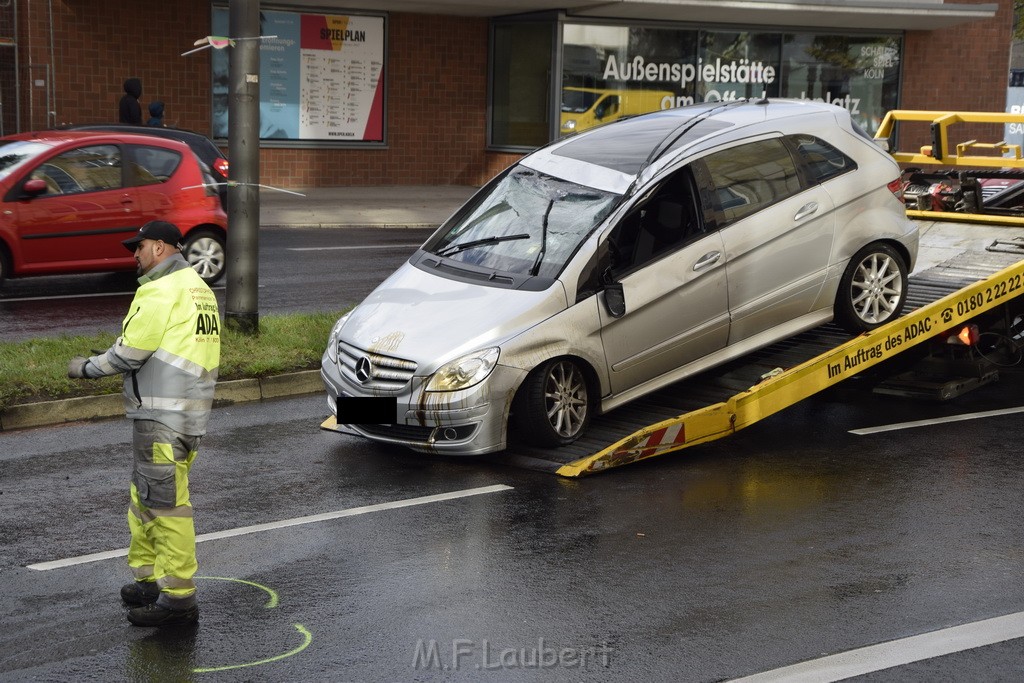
pixel 675 134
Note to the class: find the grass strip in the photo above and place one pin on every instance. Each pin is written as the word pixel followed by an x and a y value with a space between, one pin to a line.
pixel 36 370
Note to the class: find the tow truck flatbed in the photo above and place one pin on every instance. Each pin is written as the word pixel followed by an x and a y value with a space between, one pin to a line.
pixel 721 401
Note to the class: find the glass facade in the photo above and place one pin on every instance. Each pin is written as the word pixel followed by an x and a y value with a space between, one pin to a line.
pixel 520 101
pixel 612 71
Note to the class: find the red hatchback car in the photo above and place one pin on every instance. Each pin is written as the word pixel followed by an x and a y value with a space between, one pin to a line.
pixel 68 198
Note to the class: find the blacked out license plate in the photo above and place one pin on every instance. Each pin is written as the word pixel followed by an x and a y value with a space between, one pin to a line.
pixel 366 410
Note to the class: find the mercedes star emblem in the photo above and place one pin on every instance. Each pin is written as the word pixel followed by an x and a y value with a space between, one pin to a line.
pixel 364 370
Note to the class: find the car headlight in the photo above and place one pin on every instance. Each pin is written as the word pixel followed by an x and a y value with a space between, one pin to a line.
pixel 569 125
pixel 332 338
pixel 464 372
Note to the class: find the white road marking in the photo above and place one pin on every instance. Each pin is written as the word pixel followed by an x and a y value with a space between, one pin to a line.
pixel 366 246
pixel 936 421
pixel 297 521
pixel 866 660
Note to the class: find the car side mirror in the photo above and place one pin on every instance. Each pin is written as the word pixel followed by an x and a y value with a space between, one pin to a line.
pixel 615 300
pixel 34 187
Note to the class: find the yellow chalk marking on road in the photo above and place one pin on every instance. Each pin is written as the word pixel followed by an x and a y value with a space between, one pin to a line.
pixel 307 638
pixel 271 603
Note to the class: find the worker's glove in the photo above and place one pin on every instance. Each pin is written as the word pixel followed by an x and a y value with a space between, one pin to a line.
pixel 76 367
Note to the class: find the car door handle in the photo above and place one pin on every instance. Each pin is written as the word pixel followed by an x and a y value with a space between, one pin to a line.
pixel 708 259
pixel 806 210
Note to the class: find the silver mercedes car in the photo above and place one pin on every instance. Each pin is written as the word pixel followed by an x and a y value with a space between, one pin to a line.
pixel 611 263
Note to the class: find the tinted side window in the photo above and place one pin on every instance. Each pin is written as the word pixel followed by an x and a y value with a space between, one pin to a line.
pixel 822 159
pixel 751 177
pixel 86 169
pixel 663 220
pixel 153 164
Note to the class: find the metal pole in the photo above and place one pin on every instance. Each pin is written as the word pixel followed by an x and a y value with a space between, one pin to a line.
pixel 242 310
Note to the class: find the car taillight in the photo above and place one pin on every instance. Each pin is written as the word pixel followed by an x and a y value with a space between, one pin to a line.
pixel 896 187
pixel 220 165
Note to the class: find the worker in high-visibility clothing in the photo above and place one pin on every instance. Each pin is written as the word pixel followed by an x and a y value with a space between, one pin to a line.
pixel 168 352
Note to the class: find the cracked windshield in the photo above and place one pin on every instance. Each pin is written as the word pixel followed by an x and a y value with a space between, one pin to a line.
pixel 528 224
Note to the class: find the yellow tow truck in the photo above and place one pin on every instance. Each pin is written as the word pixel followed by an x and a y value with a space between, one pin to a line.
pixel 968 181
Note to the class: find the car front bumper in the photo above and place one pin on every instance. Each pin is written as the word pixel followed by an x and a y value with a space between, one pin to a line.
pixel 467 422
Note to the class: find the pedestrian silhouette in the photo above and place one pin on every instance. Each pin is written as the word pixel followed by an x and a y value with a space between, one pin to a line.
pixel 156 114
pixel 128 109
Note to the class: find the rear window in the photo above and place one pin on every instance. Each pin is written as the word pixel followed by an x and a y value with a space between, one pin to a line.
pixel 154 164
pixel 625 146
pixel 822 159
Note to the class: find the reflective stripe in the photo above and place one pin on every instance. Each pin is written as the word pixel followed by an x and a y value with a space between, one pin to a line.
pixel 141 573
pixel 179 404
pixel 130 353
pixel 183 364
pixel 175 582
pixel 147 515
pixel 180 511
pixel 102 365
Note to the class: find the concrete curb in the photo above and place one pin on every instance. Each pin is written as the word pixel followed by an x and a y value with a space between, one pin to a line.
pixel 46 413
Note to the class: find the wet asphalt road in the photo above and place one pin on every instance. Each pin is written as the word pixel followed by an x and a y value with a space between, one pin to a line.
pixel 787 541
pixel 301 270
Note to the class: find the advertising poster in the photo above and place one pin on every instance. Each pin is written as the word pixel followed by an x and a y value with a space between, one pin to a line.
pixel 321 77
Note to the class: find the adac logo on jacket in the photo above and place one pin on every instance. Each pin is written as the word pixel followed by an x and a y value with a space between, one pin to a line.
pixel 207 324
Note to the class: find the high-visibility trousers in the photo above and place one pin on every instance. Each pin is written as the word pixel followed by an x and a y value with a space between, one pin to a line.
pixel 163 542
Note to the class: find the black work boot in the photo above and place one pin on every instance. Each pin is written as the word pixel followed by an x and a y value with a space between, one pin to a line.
pixel 139 593
pixel 158 615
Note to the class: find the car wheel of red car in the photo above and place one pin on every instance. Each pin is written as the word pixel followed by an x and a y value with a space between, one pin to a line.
pixel 204 250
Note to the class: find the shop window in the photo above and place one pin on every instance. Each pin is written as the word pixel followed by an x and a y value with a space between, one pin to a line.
pixel 521 84
pixel 609 72
pixel 859 73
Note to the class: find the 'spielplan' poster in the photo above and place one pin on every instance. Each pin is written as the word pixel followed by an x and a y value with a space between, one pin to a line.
pixel 340 91
pixel 321 77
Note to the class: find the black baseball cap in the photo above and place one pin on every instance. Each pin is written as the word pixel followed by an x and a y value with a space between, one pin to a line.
pixel 155 230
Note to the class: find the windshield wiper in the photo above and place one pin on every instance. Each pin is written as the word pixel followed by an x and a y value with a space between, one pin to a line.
pixel 543 239
pixel 456 248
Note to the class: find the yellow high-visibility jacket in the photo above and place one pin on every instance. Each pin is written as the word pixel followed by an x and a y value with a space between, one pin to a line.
pixel 169 349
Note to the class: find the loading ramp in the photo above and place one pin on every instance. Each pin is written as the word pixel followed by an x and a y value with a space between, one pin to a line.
pixel 731 397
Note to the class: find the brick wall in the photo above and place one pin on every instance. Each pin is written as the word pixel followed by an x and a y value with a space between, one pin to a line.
pixel 963 68
pixel 436 81
pixel 436 98
pixel 97 44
